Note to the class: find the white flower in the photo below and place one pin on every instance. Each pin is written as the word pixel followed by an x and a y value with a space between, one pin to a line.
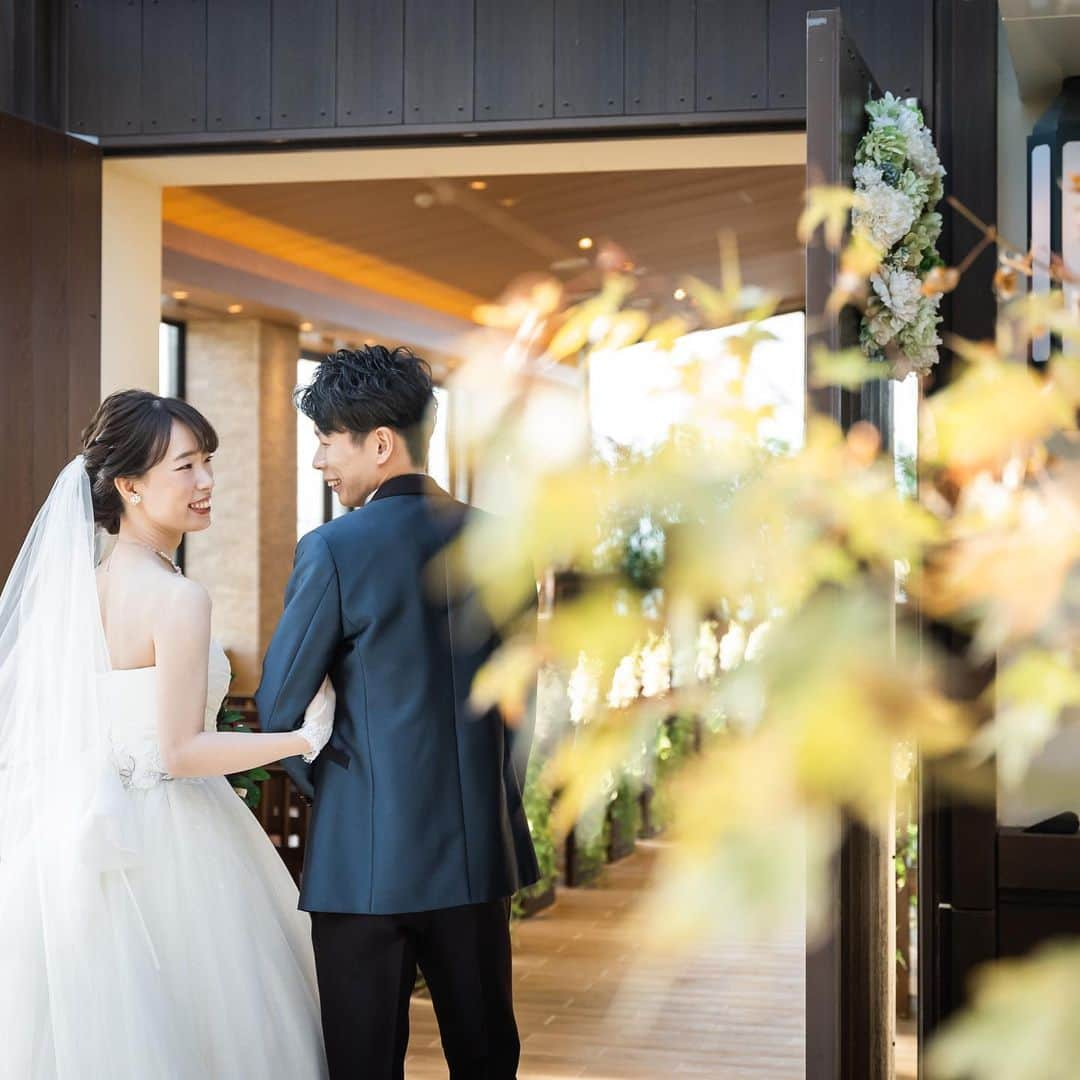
pixel 887 110
pixel 900 291
pixel 886 214
pixel 923 155
pixel 583 690
pixel 732 647
pixel 920 339
pixel 921 152
pixel 755 644
pixel 552 702
pixel 900 220
pixel 708 651
pixel 880 323
pixel 626 682
pixel 656 666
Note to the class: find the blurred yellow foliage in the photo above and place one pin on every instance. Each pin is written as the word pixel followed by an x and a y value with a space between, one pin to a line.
pixel 789 556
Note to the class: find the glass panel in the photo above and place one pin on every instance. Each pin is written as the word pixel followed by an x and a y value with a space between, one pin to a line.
pixel 439 455
pixel 169 360
pixel 310 489
pixel 636 394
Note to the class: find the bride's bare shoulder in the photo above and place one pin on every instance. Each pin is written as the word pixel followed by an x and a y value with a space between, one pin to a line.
pixel 181 601
pixel 187 592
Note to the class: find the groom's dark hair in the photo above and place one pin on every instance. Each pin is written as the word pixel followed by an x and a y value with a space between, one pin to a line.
pixel 358 390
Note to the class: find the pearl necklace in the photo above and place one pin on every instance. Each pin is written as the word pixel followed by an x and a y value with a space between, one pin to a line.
pixel 157 551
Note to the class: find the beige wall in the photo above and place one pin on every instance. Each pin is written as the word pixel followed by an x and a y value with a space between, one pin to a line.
pixel 279 351
pixel 240 373
pixel 692 151
pixel 130 279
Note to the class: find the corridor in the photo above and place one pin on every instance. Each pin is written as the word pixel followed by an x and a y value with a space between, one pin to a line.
pixel 734 1013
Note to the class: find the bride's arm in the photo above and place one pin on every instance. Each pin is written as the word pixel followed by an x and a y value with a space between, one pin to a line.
pixel 182 647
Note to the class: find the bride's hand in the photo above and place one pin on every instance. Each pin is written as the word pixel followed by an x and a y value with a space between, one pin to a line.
pixel 319 720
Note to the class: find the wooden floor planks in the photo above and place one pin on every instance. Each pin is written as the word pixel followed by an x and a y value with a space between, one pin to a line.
pixel 734 1012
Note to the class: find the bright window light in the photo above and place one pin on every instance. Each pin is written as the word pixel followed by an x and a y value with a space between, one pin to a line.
pixel 638 393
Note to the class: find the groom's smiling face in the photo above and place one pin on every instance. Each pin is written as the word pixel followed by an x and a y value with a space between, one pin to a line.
pixel 352 465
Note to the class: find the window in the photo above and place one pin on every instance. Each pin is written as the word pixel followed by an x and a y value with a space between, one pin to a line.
pixel 439 456
pixel 312 495
pixel 636 394
pixel 171 359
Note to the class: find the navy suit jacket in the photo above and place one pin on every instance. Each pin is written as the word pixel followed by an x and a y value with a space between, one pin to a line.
pixel 417 798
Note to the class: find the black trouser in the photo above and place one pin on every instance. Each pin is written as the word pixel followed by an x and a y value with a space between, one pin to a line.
pixel 367 967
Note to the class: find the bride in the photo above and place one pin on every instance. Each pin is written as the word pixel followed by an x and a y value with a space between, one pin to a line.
pixel 147 926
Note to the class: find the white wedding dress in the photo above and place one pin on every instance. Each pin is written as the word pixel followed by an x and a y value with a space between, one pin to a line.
pixel 212 972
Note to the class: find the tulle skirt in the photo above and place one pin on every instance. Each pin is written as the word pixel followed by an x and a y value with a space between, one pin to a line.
pixel 192 963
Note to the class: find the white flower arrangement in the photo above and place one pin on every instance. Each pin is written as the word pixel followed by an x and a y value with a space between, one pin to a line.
pixel 898 177
pixel 583 691
pixel 707 661
pixel 656 660
pixel 626 682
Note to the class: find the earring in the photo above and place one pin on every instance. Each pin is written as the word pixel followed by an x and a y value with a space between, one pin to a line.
pixel 136 499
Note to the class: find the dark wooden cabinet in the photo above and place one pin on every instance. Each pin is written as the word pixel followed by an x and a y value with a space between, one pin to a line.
pixel 283 814
pixel 1038 896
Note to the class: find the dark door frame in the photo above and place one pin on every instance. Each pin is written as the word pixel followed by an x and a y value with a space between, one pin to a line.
pixel 847 1031
pixel 957 842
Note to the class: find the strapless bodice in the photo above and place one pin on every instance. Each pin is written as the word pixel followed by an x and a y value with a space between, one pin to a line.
pixel 129 701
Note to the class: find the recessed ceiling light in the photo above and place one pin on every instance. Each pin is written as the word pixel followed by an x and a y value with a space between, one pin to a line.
pixel 424 199
pixel 478 185
pixel 574 263
pixel 585 243
pixel 306 328
pixel 679 294
pixel 508 202
pixel 235 309
pixel 180 294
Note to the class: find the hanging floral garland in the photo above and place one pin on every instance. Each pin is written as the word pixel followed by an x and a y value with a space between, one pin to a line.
pixel 898 177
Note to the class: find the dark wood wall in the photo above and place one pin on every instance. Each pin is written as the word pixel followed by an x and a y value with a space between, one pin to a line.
pixel 32 75
pixel 957 864
pixel 50 302
pixel 174 72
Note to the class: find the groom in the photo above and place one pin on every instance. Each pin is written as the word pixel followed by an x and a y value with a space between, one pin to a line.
pixel 418 835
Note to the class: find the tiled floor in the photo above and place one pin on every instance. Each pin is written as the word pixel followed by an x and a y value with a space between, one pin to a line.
pixel 732 1013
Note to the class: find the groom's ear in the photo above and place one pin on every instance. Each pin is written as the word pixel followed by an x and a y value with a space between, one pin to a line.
pixel 385 439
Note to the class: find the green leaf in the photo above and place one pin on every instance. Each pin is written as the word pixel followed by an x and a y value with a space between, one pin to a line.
pixel 848 368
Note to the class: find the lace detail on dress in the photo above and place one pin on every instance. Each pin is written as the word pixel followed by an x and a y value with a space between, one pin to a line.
pixel 139 766
pixel 129 700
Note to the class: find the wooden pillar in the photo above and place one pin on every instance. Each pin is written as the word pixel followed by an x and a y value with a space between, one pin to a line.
pixel 50 300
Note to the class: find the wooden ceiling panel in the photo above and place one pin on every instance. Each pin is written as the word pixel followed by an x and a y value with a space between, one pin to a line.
pixel 473 243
